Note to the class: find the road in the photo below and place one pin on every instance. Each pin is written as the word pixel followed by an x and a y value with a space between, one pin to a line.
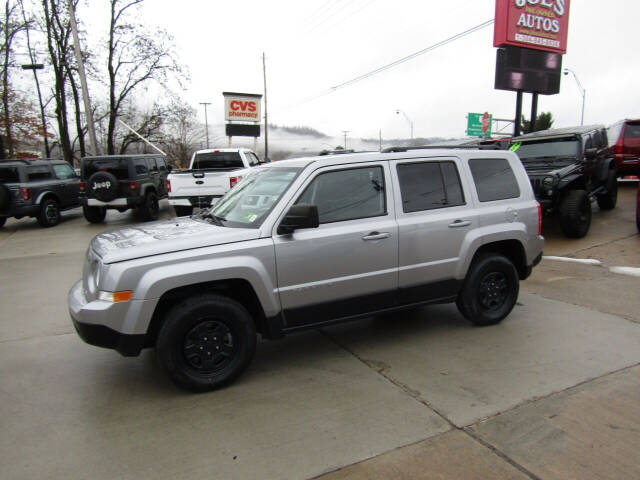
pixel 549 393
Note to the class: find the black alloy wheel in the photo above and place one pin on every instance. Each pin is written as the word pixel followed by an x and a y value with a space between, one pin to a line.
pixel 49 213
pixel 208 347
pixel 151 208
pixel 493 291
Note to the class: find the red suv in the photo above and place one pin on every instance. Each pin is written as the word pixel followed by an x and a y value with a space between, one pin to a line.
pixel 624 141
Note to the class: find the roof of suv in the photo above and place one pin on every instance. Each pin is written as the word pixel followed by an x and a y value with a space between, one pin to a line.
pixel 31 162
pixel 559 132
pixel 125 156
pixel 347 158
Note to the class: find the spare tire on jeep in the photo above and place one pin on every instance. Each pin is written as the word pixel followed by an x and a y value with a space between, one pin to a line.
pixel 5 197
pixel 103 186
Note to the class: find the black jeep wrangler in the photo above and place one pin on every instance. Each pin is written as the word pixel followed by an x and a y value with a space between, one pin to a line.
pixel 37 188
pixel 122 182
pixel 568 168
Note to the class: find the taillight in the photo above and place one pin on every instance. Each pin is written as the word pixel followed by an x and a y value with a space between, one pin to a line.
pixel 133 185
pixel 619 148
pixel 26 194
pixel 169 186
pixel 82 186
pixel 539 219
pixel 233 181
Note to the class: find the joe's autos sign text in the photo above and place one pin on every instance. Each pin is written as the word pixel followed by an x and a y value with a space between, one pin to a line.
pixel 540 24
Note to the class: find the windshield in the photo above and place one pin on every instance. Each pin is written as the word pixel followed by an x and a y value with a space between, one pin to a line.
pixel 217 161
pixel 249 203
pixel 549 148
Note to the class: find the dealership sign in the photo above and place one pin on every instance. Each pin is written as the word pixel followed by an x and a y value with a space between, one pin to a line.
pixel 242 107
pixel 539 24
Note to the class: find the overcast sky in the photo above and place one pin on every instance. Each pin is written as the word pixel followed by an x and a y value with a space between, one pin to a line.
pixel 314 45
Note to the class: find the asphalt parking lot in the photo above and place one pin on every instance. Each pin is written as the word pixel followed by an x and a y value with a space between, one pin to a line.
pixel 552 392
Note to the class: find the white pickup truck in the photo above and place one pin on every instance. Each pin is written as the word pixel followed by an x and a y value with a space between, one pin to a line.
pixel 211 174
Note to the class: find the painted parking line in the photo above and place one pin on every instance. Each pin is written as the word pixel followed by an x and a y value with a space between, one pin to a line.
pixel 631 271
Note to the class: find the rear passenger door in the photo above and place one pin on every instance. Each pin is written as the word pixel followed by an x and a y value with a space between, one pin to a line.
pixel 434 216
pixel 154 174
pixel 162 178
pixel 69 184
pixel 349 264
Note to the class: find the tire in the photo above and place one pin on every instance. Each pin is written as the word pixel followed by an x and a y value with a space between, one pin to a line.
pixel 5 197
pixel 490 290
pixel 183 211
pixel 151 208
pixel 190 352
pixel 49 215
pixel 638 209
pixel 3 220
pixel 575 214
pixel 94 214
pixel 607 201
pixel 103 186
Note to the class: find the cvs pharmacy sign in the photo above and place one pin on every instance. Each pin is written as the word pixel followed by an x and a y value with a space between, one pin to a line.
pixel 242 107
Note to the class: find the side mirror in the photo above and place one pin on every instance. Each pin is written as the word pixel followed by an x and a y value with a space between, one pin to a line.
pixel 169 168
pixel 299 216
pixel 591 152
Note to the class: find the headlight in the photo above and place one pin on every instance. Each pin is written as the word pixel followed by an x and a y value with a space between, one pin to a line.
pixel 115 297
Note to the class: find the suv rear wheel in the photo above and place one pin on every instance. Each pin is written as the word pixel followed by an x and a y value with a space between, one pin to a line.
pixel 607 201
pixel 205 342
pixel 94 214
pixel 2 221
pixel 49 215
pixel 490 290
pixel 151 207
pixel 575 214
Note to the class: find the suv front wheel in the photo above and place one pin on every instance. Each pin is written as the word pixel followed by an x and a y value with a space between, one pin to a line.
pixel 151 207
pixel 575 214
pixel 205 342
pixel 490 290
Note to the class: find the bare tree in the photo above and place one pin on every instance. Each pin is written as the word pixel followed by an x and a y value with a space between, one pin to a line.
pixel 135 57
pixel 11 25
pixel 147 123
pixel 183 134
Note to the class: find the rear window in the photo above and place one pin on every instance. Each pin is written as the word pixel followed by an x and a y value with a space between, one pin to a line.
pixel 632 130
pixel 217 161
pixel 9 175
pixel 118 167
pixel 613 133
pixel 494 179
pixel 38 173
pixel 429 185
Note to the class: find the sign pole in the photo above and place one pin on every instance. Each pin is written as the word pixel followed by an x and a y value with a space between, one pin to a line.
pixel 534 111
pixel 516 124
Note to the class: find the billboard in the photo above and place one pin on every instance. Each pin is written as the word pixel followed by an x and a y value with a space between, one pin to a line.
pixel 539 24
pixel 242 107
pixel 528 70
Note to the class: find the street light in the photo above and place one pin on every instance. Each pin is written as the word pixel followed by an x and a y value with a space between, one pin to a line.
pixel 35 67
pixel 408 120
pixel 583 92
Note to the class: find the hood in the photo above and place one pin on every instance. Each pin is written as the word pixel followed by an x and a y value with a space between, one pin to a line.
pixel 548 168
pixel 165 237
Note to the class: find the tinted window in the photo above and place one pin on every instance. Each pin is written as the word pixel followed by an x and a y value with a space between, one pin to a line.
pixel 119 167
pixel 38 173
pixel 217 161
pixel 161 165
pixel 151 165
pixel 141 167
pixel 64 172
pixel 549 147
pixel 252 159
pixel 9 175
pixel 347 194
pixel 494 179
pixel 429 185
pixel 632 130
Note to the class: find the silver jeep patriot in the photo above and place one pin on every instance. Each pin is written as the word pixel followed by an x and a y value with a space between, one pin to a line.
pixel 310 242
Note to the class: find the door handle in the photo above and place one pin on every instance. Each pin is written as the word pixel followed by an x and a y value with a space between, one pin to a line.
pixel 460 223
pixel 376 236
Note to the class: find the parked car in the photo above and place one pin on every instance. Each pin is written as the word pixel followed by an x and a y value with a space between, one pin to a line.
pixel 123 182
pixel 37 188
pixel 211 174
pixel 638 208
pixel 624 144
pixel 568 168
pixel 349 236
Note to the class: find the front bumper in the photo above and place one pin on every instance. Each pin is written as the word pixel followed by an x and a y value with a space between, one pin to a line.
pixel 91 320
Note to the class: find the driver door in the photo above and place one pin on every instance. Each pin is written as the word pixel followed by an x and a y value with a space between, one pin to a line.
pixel 349 264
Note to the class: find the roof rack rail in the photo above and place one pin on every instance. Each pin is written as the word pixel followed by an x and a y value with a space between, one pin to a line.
pixel 441 147
pixel 23 160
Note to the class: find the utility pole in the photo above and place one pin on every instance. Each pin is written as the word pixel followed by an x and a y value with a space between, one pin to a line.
pixel 266 117
pixel 345 138
pixel 380 138
pixel 83 80
pixel 206 121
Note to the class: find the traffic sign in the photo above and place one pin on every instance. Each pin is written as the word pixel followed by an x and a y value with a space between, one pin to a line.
pixel 479 124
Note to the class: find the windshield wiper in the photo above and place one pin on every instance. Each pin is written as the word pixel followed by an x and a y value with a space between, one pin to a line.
pixel 216 220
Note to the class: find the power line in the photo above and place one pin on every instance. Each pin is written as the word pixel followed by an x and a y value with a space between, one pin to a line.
pixel 326 19
pixel 349 15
